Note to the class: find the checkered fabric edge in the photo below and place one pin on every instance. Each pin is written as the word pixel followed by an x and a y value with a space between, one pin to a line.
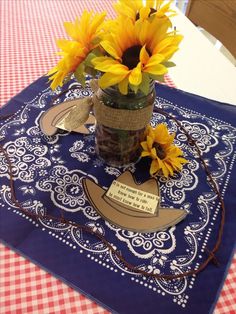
pixel 26 288
pixel 28 32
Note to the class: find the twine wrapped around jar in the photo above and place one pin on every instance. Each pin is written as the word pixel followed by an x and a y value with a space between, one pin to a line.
pixel 121 123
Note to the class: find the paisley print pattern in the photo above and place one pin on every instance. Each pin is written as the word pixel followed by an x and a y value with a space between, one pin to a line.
pixel 52 169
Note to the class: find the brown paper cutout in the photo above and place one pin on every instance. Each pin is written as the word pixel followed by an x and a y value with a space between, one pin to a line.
pixel 130 218
pixel 52 118
pixel 149 186
pixel 79 114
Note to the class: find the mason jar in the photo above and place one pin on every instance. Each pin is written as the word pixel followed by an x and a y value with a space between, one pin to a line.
pixel 121 121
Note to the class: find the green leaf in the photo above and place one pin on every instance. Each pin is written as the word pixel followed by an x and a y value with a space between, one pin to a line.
pixel 159 78
pixel 91 71
pixel 88 60
pixel 134 88
pixel 93 54
pixel 96 41
pixel 144 86
pixel 98 52
pixel 80 69
pixel 169 64
pixel 80 78
pixel 80 74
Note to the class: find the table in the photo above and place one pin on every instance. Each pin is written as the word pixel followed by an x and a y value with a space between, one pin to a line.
pixel 212 75
pixel 31 25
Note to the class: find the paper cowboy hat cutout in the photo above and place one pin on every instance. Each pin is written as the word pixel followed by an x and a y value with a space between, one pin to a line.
pixel 126 204
pixel 61 116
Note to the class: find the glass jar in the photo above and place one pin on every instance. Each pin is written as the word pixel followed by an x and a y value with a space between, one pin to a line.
pixel 121 123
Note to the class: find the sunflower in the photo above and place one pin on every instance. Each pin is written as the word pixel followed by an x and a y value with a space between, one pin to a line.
pixel 138 10
pixel 166 157
pixel 137 52
pixel 85 34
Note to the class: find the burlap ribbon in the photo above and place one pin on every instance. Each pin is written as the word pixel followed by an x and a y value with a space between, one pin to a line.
pixel 123 119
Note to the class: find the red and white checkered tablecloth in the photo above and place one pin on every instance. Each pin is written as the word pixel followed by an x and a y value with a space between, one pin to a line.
pixel 27 45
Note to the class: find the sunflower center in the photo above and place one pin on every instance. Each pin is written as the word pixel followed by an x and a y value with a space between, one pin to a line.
pixel 159 150
pixel 130 57
pixel 151 12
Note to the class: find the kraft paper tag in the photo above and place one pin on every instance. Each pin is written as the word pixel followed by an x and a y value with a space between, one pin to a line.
pixel 145 196
pixel 135 198
pixel 78 115
pixel 61 123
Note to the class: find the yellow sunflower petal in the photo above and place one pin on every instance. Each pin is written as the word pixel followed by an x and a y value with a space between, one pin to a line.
pixel 111 50
pixel 135 77
pixel 144 13
pixel 144 56
pixel 150 141
pixel 183 160
pixel 162 135
pixel 154 153
pixel 167 42
pixel 104 60
pixel 164 169
pixel 83 26
pixel 130 35
pixel 70 29
pixel 123 86
pixel 144 145
pixel 121 8
pixel 158 31
pixel 158 69
pixel 150 132
pixel 142 30
pixel 174 151
pixel 85 37
pixel 109 79
pixel 177 162
pixel 145 154
pixel 106 64
pixel 151 3
pixel 64 44
pixel 57 80
pixel 168 52
pixel 154 167
pixel 119 69
pixel 97 21
pixel 154 60
pixel 169 168
pixel 177 166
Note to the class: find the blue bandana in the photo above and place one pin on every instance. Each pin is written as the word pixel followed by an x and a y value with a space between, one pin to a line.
pixel 48 173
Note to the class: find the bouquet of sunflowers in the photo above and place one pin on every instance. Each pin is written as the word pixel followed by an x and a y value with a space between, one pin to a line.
pixel 128 53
